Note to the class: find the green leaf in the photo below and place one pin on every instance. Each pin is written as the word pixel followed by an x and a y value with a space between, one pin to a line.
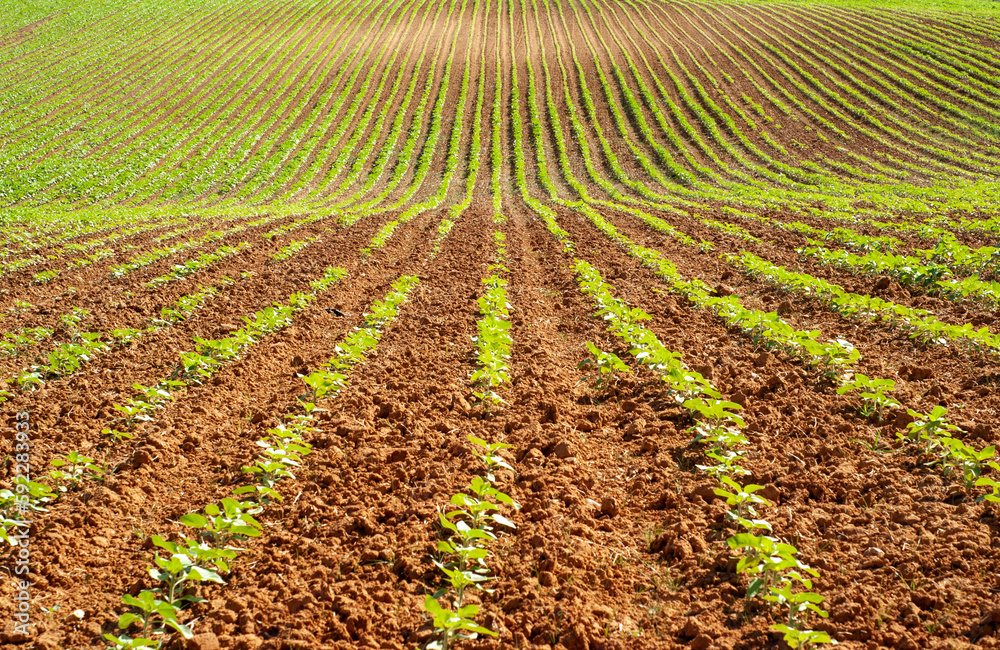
pixel 194 520
pixel 127 619
pixel 500 519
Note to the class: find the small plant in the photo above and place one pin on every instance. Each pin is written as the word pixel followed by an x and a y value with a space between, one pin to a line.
pixel 716 422
pixel 75 466
pixel 802 639
pixel 195 367
pixel 24 497
pixel 154 616
pixel 487 454
pixel 292 248
pixel 743 501
pixel 117 436
pixel 471 531
pixel 324 382
pixel 874 401
pixel 227 523
pixel 606 363
pixel 727 463
pixel 795 602
pixel 45 276
pixel 71 320
pixel 991 483
pixel 928 428
pixel 493 345
pixel 176 572
pixel 765 558
pixel 123 336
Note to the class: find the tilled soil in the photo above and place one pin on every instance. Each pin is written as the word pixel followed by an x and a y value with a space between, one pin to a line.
pixel 620 541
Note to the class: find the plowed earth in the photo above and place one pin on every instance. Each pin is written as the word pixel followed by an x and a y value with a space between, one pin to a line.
pixel 620 542
pixel 346 560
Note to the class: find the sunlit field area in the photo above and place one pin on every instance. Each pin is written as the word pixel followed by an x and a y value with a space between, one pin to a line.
pixel 567 324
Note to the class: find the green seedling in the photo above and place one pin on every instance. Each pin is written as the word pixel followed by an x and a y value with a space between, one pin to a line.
pixel 487 454
pixel 766 559
pixel 201 553
pixel 727 463
pixel 153 615
pixel 233 522
pixel 875 446
pixel 123 336
pixel 117 436
pixel 988 482
pixel 928 428
pixel 802 639
pixel 322 383
pixel 45 276
pixel 24 498
pixel 74 467
pixel 196 367
pixel 160 393
pixel 450 624
pixel 796 602
pixel 956 454
pixel 716 422
pixel 176 573
pixel 479 508
pixel 743 501
pixel 134 411
pixel 67 358
pixel 833 358
pixel 30 379
pixel 71 320
pixel 606 363
pixel 874 401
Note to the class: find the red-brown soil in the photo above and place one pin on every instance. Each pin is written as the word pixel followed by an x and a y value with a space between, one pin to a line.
pixel 620 541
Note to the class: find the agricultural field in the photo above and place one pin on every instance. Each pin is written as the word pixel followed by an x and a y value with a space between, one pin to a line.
pixel 569 324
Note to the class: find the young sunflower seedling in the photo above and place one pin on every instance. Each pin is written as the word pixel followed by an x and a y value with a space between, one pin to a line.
pixel 24 498
pixel 272 465
pixel 928 428
pixel 874 401
pixel 743 501
pixel 606 364
pixel 765 558
pixel 803 639
pixel 716 423
pixel 117 436
pixel 231 523
pixel 487 454
pixel 796 603
pixel 471 531
pixel 176 573
pixel 988 482
pixel 70 321
pixel 75 466
pixel 727 464
pixel 202 554
pixel 156 617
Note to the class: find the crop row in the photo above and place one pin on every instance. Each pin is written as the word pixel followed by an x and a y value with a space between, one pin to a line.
pixel 778 576
pixel 301 133
pixel 918 323
pixel 910 271
pixel 220 528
